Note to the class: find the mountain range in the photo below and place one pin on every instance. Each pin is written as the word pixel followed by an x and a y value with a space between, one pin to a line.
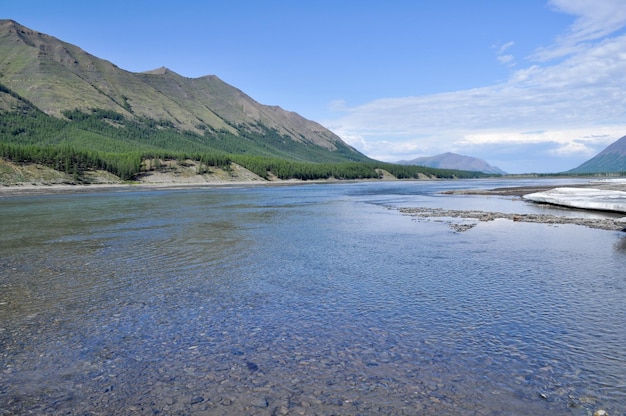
pixel 41 71
pixel 611 159
pixel 68 109
pixel 454 161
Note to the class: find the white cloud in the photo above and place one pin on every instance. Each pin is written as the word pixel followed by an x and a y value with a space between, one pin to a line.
pixel 337 105
pixel 568 110
pixel 505 59
pixel 595 20
pixel 506 46
pixel 565 142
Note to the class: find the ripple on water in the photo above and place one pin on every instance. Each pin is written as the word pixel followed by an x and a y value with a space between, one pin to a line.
pixel 251 303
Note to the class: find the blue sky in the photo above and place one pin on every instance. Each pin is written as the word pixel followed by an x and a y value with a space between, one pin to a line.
pixel 527 85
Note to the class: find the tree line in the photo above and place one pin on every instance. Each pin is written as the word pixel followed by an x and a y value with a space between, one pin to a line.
pixel 106 140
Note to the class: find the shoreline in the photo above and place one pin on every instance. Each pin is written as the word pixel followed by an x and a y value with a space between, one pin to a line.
pixel 52 189
pixel 34 179
pixel 608 185
pixel 609 224
pixel 40 188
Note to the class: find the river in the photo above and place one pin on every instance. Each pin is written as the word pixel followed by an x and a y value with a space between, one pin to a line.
pixel 313 299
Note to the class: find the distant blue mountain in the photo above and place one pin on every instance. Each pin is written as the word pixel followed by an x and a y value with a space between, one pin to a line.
pixel 454 161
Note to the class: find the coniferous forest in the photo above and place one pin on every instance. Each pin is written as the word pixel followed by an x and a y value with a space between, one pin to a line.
pixel 106 140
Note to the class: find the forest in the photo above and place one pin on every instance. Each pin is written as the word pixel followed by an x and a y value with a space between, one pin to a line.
pixel 106 140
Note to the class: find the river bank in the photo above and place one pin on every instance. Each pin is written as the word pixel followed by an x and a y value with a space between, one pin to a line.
pixel 43 189
pixel 608 187
pixel 614 224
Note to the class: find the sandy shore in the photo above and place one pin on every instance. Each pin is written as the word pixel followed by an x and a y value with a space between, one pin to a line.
pixel 32 179
pixel 29 189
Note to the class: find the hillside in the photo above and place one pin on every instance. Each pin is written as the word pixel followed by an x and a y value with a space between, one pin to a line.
pixel 38 71
pixel 454 161
pixel 64 109
pixel 612 159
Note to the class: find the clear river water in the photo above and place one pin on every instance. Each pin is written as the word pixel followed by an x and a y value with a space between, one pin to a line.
pixel 314 299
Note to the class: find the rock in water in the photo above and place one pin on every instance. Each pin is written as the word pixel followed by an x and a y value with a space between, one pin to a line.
pixel 261 403
pixel 197 399
pixel 252 366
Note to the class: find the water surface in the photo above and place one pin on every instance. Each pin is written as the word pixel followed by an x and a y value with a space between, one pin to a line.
pixel 313 299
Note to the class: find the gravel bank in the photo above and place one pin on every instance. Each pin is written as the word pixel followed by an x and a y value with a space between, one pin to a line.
pixel 615 224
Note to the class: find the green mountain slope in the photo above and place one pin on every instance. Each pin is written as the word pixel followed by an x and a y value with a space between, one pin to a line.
pixel 56 77
pixel 612 159
pixel 65 109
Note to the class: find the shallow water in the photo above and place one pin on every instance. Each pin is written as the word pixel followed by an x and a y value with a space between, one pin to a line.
pixel 313 299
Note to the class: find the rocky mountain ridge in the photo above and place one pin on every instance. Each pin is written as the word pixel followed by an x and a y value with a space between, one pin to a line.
pixel 56 76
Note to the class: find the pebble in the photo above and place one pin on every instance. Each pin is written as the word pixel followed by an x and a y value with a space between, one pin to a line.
pixel 261 402
pixel 252 366
pixel 279 371
pixel 197 399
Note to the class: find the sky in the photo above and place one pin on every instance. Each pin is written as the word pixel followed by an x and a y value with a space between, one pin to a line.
pixel 527 85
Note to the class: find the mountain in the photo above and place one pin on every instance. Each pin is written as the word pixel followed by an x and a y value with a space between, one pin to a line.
pixel 454 161
pixel 611 159
pixel 39 72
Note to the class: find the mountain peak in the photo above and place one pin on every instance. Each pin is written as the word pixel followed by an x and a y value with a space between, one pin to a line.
pixel 56 76
pixel 455 161
pixel 11 26
pixel 160 71
pixel 6 24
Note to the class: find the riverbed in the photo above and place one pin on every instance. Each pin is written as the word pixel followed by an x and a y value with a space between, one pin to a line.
pixel 309 299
